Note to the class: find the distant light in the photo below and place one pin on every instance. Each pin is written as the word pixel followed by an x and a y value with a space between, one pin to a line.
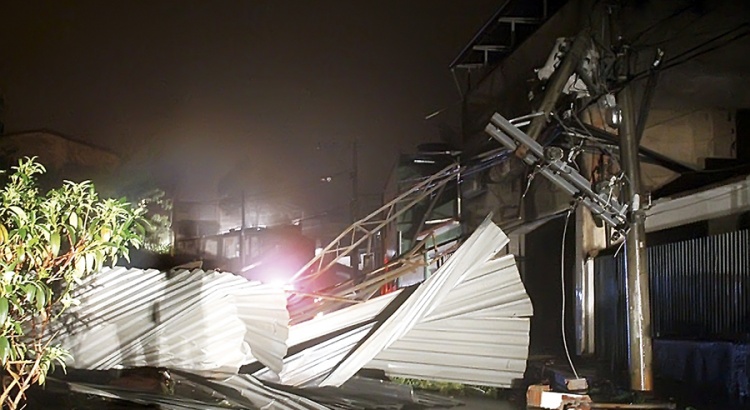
pixel 326 179
pixel 423 161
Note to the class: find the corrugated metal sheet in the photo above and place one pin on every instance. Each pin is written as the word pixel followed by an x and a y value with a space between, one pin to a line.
pixel 189 320
pixel 308 367
pixel 700 288
pixel 191 391
pixel 479 248
pixel 488 352
pixel 469 322
pixel 478 335
pixel 317 345
pixel 340 319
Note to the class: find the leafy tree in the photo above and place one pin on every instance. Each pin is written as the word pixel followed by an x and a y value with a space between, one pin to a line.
pixel 158 206
pixel 48 244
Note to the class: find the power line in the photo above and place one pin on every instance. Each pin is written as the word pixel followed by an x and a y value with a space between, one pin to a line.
pixel 674 14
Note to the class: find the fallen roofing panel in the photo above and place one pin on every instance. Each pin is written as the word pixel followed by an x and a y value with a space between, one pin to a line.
pixel 478 335
pixel 90 389
pixel 480 247
pixel 192 320
pixel 360 393
pixel 467 323
pixel 185 390
pixel 317 345
pixel 488 352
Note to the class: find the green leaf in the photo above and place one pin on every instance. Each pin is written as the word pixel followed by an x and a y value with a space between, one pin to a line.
pixel 73 220
pixel 89 262
pixel 18 211
pixel 30 291
pixel 40 299
pixel 3 311
pixel 4 349
pixel 42 375
pixel 54 244
pixel 100 258
pixel 80 266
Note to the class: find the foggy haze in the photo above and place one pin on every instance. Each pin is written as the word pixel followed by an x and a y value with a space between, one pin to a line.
pixel 186 90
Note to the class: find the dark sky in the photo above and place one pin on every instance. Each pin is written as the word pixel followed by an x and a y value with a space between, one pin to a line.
pixel 192 88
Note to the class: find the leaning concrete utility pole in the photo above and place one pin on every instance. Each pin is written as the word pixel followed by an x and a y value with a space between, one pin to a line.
pixel 555 86
pixel 636 258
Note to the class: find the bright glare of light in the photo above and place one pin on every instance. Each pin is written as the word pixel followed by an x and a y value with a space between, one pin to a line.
pixel 319 314
pixel 279 281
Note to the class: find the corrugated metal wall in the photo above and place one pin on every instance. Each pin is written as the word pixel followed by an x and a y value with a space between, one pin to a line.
pixel 700 289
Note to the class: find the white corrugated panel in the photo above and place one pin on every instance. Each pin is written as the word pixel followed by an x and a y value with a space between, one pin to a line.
pixel 340 319
pixel 467 323
pixel 478 335
pixel 340 331
pixel 267 398
pixel 192 391
pixel 190 320
pixel 479 248
pixel 308 367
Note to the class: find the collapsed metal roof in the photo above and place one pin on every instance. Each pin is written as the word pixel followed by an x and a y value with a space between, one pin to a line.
pixel 478 335
pixel 183 390
pixel 191 320
pixel 468 323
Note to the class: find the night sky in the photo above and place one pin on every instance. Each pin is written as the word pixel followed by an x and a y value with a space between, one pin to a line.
pixel 188 90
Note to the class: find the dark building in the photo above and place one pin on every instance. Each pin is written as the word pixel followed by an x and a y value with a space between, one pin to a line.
pixel 688 68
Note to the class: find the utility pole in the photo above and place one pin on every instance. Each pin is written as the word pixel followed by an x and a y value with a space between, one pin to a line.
pixel 636 262
pixel 636 259
pixel 555 86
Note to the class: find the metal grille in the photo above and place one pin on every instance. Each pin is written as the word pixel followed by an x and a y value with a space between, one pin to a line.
pixel 610 312
pixel 700 289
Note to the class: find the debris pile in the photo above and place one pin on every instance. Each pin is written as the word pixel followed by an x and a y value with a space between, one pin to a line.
pixel 189 320
pixel 467 323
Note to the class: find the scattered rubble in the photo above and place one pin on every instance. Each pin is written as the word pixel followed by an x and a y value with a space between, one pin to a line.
pixel 467 323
